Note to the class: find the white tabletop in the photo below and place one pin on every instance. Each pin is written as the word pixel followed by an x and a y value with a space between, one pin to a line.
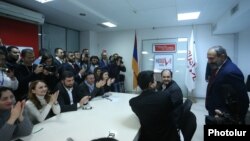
pixel 106 116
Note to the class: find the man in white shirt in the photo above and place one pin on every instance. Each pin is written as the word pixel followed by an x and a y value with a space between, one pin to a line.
pixel 69 98
pixel 7 77
pixel 59 56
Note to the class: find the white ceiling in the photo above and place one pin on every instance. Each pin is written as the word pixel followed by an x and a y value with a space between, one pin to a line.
pixel 127 14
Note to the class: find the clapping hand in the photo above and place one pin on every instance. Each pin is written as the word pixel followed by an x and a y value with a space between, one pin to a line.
pixel 82 71
pixel 100 83
pixel 53 97
pixel 16 112
pixel 110 81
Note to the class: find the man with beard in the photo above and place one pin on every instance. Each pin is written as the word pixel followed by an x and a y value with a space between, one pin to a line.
pixel 71 66
pixel 69 98
pixel 154 111
pixel 94 62
pixel 25 73
pixel 13 55
pixel 225 72
pixel 169 87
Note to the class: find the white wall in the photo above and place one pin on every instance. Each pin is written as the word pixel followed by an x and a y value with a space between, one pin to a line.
pixel 84 40
pixel 88 40
pixel 244 52
pixel 122 42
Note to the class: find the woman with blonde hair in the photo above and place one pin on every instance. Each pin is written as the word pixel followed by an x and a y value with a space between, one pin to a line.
pixel 41 105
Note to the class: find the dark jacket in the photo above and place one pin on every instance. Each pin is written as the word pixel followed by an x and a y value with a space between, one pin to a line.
pixel 64 100
pixel 175 93
pixel 24 76
pixel 154 112
pixel 84 90
pixel 229 74
pixel 75 71
pixel 114 71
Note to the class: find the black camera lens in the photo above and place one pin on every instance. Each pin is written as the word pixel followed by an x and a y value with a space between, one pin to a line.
pixel 49 68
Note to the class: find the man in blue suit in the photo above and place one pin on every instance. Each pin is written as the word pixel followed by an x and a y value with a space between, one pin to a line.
pixel 226 90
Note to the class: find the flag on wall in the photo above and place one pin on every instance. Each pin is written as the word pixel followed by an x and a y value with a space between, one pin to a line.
pixel 135 66
pixel 191 64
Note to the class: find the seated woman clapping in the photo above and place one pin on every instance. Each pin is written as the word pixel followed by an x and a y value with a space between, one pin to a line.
pixel 108 81
pixel 41 105
pixel 14 121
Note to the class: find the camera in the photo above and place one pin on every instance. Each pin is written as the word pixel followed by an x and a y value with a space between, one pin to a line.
pixel 120 58
pixel 5 70
pixel 221 120
pixel 49 68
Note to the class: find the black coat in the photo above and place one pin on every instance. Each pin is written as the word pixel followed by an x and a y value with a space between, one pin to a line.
pixel 64 100
pixel 174 91
pixel 25 75
pixel 84 90
pixel 154 112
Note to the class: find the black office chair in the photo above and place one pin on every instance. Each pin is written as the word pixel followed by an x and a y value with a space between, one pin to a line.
pixel 188 122
pixel 248 83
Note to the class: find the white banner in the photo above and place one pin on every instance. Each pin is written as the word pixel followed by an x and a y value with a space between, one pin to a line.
pixel 191 64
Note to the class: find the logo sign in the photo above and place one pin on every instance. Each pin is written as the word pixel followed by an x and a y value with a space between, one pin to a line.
pixel 169 47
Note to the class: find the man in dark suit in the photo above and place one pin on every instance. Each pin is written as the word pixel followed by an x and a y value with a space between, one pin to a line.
pixel 25 73
pixel 59 57
pixel 72 67
pixel 225 72
pixel 69 98
pixel 91 88
pixel 154 111
pixel 169 86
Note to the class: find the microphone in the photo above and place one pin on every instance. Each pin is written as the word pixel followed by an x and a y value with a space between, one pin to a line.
pixel 106 96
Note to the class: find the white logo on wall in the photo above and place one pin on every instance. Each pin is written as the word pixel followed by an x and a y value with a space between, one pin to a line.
pixel 163 62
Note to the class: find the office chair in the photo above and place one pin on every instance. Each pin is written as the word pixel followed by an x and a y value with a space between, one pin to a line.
pixel 248 83
pixel 188 122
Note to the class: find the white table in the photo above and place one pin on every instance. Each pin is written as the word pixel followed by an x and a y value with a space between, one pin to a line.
pixel 106 116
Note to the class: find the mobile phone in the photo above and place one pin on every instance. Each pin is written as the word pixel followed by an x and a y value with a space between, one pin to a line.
pixel 87 107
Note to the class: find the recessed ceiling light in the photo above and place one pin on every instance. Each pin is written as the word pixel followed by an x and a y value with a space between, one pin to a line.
pixel 43 1
pixel 109 24
pixel 144 52
pixel 188 16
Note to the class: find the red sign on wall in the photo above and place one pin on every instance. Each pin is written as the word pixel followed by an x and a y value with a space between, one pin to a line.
pixel 169 47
